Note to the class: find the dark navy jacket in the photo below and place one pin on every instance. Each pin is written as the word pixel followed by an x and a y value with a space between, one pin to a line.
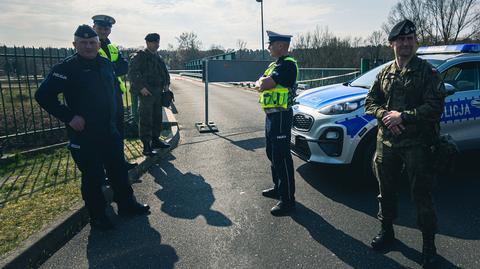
pixel 88 87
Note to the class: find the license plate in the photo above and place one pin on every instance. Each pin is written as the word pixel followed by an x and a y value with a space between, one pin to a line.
pixel 292 140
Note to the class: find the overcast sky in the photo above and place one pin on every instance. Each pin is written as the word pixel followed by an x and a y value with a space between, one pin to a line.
pixel 216 22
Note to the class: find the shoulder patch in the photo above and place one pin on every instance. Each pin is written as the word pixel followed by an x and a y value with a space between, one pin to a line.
pixel 60 76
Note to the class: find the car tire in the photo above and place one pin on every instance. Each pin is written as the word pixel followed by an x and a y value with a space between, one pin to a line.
pixel 368 165
pixel 364 160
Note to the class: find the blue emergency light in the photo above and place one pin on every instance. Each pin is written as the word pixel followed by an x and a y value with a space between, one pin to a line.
pixel 460 48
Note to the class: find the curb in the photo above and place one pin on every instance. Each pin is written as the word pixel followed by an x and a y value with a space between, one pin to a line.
pixel 42 245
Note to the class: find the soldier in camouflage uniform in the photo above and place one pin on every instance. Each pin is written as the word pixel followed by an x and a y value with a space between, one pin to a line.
pixel 149 77
pixel 407 98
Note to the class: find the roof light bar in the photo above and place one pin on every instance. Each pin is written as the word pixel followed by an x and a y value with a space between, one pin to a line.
pixel 461 48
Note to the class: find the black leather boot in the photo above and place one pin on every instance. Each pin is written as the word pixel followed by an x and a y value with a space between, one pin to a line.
pixel 271 193
pixel 147 149
pixel 429 251
pixel 384 238
pixel 158 144
pixel 100 222
pixel 283 208
pixel 132 209
pixel 130 166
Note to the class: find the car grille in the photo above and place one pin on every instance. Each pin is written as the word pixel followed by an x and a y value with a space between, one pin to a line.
pixel 301 148
pixel 302 122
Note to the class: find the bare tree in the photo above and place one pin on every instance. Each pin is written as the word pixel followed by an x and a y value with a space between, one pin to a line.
pixel 416 11
pixel 438 21
pixel 188 47
pixel 241 44
pixel 375 42
pixel 188 41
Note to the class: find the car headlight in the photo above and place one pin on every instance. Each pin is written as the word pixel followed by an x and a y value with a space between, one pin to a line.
pixel 342 108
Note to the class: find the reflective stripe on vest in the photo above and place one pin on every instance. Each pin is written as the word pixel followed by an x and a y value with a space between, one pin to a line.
pixel 278 96
pixel 113 50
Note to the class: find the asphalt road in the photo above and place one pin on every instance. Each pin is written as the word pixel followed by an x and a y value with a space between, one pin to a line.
pixel 207 211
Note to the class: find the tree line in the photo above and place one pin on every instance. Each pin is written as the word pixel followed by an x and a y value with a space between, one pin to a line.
pixel 439 22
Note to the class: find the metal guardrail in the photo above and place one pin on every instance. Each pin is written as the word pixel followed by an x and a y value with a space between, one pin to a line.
pixel 21 72
pixel 317 82
pixel 23 122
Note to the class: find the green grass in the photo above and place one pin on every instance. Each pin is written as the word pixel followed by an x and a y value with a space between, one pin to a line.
pixel 41 188
pixel 29 214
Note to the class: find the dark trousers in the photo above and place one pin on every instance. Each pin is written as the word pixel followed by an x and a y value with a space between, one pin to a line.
pixel 388 165
pixel 120 116
pixel 277 134
pixel 150 116
pixel 103 157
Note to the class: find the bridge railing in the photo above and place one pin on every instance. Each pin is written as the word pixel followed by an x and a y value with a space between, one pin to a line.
pixel 23 123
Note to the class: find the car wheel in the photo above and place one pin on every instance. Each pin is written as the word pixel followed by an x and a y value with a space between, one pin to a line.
pixel 368 162
pixel 364 160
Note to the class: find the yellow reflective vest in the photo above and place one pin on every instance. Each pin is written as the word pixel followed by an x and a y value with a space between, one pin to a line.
pixel 278 96
pixel 113 50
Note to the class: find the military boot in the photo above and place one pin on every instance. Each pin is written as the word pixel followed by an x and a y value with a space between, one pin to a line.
pixel 429 251
pixel 283 208
pixel 147 149
pixel 158 144
pixel 384 238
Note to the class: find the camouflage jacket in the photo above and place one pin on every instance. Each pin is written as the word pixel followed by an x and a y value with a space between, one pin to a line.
pixel 418 92
pixel 148 70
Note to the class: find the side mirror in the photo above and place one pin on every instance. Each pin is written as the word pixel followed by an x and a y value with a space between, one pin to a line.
pixel 450 88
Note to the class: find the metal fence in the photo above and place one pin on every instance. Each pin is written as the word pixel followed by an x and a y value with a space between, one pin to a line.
pixel 316 77
pixel 23 124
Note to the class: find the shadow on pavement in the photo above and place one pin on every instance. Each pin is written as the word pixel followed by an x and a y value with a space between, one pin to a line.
pixel 250 144
pixel 350 250
pixel 186 195
pixel 456 198
pixel 133 244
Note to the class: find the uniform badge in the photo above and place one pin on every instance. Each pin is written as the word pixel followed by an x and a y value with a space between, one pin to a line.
pixel 59 76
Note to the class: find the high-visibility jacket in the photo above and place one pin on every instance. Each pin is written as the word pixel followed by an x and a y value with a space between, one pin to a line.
pixel 113 50
pixel 278 96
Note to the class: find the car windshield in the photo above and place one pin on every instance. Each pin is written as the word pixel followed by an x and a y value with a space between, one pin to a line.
pixel 367 79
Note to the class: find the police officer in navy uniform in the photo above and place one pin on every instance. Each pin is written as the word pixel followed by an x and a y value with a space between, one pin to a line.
pixel 88 84
pixel 102 24
pixel 277 89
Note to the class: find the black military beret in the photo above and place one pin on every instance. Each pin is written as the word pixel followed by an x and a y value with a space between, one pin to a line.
pixel 152 37
pixel 103 20
pixel 404 27
pixel 85 31
pixel 272 37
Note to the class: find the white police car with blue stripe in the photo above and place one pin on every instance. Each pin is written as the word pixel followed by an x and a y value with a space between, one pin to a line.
pixel 330 125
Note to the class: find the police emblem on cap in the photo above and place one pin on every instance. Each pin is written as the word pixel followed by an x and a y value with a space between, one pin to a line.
pixel 272 37
pixel 103 20
pixel 404 27
pixel 85 31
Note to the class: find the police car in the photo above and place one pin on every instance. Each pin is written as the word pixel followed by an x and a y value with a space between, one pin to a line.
pixel 330 125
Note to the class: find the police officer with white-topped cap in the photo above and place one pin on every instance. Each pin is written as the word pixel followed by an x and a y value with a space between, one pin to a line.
pixel 102 24
pixel 277 89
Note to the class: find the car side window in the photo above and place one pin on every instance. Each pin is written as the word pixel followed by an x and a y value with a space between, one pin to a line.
pixel 464 76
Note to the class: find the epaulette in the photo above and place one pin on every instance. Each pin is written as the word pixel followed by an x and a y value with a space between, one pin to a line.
pixel 137 53
pixel 385 70
pixel 69 58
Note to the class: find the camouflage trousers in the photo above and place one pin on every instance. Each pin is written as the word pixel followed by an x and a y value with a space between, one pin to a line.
pixel 150 116
pixel 417 164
